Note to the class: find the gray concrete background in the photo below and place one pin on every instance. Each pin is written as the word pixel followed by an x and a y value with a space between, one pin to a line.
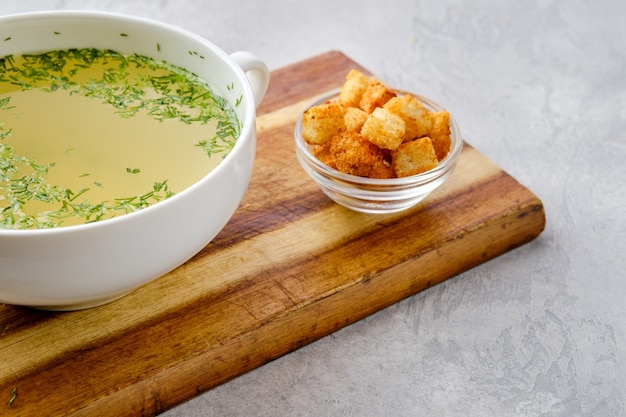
pixel 539 86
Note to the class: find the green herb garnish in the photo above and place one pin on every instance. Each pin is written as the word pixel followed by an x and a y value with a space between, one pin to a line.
pixel 171 94
pixel 13 396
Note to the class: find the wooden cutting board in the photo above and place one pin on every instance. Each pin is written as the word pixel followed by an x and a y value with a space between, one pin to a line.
pixel 289 268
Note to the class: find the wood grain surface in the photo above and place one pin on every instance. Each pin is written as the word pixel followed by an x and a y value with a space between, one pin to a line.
pixel 288 269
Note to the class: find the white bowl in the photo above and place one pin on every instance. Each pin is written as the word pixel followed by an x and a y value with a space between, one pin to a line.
pixel 77 267
pixel 375 195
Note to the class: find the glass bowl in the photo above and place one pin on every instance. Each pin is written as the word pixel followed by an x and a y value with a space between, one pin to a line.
pixel 373 195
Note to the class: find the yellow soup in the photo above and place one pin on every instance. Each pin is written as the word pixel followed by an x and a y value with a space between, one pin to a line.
pixel 87 135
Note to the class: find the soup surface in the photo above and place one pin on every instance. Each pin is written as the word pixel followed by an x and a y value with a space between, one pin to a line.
pixel 90 134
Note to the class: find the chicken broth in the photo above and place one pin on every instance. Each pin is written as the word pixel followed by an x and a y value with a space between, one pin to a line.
pixel 87 135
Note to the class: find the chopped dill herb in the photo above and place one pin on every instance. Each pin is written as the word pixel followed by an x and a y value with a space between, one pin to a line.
pixel 123 35
pixel 158 45
pixel 174 93
pixel 8 38
pixel 13 396
pixel 71 196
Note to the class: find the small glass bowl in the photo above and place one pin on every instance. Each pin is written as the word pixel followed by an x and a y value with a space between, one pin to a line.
pixel 373 195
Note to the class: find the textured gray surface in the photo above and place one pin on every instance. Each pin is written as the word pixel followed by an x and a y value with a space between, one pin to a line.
pixel 539 87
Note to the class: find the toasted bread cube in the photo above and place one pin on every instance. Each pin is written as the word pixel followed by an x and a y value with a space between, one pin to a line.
pixel 355 119
pixel 353 88
pixel 384 129
pixel 416 116
pixel 321 122
pixel 355 155
pixel 414 157
pixel 322 152
pixel 376 95
pixel 440 133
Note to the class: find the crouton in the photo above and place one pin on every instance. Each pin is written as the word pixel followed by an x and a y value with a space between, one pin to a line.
pixel 353 88
pixel 417 119
pixel 384 129
pixel 321 122
pixel 372 132
pixel 376 95
pixel 439 133
pixel 355 155
pixel 354 118
pixel 323 153
pixel 414 157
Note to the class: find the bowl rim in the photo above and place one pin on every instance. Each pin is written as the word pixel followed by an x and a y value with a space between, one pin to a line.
pixel 248 125
pixel 304 149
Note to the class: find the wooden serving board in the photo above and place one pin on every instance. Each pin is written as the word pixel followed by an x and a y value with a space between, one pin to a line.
pixel 289 268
